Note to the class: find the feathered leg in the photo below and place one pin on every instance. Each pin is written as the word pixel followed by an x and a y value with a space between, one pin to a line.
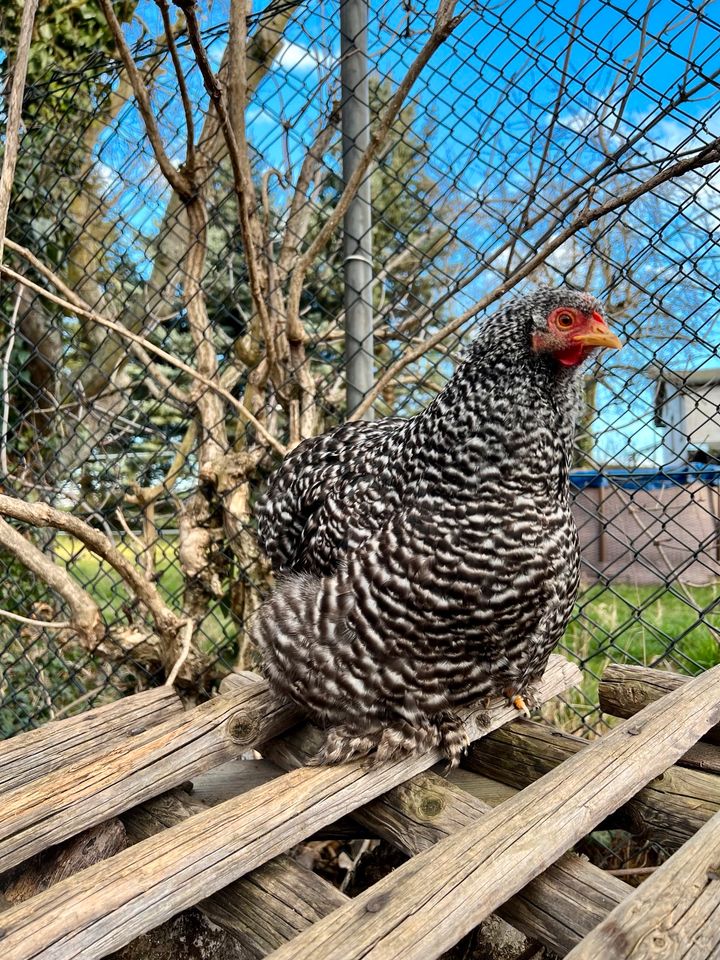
pixel 343 743
pixel 394 739
pixel 453 737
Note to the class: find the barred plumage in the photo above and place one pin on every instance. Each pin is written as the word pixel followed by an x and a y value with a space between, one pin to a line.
pixel 428 561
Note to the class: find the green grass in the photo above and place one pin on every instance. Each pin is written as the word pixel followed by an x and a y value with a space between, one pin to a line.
pixel 675 628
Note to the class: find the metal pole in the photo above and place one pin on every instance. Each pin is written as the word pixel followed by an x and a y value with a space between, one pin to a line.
pixel 357 241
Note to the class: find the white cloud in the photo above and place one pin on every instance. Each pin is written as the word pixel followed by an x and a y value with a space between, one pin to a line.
pixel 294 56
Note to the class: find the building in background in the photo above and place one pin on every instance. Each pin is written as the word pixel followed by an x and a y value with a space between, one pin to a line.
pixel 686 411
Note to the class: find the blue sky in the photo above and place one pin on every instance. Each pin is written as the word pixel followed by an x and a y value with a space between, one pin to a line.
pixel 490 96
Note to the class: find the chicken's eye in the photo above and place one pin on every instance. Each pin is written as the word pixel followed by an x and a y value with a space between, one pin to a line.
pixel 564 320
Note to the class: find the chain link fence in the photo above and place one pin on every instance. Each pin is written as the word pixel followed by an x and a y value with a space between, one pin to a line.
pixel 527 119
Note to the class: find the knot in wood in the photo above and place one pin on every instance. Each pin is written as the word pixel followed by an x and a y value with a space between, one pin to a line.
pixel 377 903
pixel 431 805
pixel 243 728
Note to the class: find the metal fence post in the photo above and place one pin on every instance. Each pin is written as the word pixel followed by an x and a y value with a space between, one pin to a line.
pixel 357 240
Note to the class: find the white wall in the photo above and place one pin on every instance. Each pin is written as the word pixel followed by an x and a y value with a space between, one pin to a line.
pixel 692 418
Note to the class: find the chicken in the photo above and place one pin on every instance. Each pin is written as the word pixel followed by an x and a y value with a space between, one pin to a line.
pixel 429 561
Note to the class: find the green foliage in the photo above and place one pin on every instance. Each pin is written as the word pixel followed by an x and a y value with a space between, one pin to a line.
pixel 65 34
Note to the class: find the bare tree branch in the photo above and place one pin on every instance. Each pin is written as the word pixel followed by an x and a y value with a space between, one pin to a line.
pixel 5 385
pixel 182 86
pixel 56 624
pixel 146 495
pixel 187 634
pixel 300 208
pixel 14 114
pixel 562 86
pixel 262 48
pixel 84 613
pixel 236 146
pixel 170 392
pixel 43 515
pixel 703 157
pixel 75 305
pixel 638 60
pixel 180 183
pixel 444 25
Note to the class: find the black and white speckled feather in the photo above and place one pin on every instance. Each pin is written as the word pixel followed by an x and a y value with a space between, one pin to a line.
pixel 428 561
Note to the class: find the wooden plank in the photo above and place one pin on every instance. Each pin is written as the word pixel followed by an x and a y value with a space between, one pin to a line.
pixel 231 779
pixel 155 879
pixel 94 845
pixel 429 903
pixel 557 909
pixel 263 910
pixel 673 915
pixel 624 690
pixel 671 808
pixel 61 804
pixel 28 756
pixel 702 756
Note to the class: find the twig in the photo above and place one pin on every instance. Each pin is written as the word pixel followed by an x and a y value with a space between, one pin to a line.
pixel 573 196
pixel 562 86
pixel 180 183
pixel 638 60
pixel 56 624
pixel 706 155
pixel 182 86
pixel 630 871
pixel 145 495
pixel 234 134
pixel 14 114
pixel 187 634
pixel 72 303
pixel 140 546
pixel 76 703
pixel 84 613
pixel 170 393
pixel 6 383
pixel 300 212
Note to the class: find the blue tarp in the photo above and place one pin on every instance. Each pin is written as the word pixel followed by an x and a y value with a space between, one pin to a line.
pixel 646 478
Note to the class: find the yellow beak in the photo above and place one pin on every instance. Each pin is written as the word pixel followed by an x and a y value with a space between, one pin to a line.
pixel 600 336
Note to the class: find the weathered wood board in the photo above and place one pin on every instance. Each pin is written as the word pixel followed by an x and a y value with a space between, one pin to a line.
pixel 29 756
pixel 671 808
pixel 151 881
pixel 557 909
pixel 626 689
pixel 429 903
pixel 69 800
pixel 673 915
pixel 262 910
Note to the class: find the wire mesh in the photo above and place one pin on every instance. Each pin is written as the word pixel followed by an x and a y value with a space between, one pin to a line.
pixel 529 115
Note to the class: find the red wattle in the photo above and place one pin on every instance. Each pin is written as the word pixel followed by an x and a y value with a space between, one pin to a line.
pixel 571 356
